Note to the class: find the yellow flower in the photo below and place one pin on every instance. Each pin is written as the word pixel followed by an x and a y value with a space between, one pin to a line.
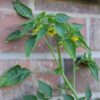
pixel 34 31
pixel 51 31
pixel 75 38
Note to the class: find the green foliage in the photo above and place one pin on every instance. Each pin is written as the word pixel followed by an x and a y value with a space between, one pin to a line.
pixel 66 35
pixel 70 47
pixel 13 76
pixel 87 59
pixel 41 33
pixel 45 88
pixel 22 10
pixel 27 27
pixel 68 97
pixel 60 29
pixel 77 26
pixel 88 93
pixel 82 98
pixel 30 44
pixel 40 95
pixel 61 18
pixel 29 97
pixel 13 36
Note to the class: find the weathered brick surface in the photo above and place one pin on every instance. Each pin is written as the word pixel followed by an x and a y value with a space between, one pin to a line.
pixel 95 34
pixel 41 70
pixel 76 6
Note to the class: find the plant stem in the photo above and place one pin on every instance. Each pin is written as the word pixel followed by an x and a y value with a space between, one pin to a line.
pixel 69 85
pixel 59 55
pixel 59 64
pixel 74 76
pixel 52 51
pixel 64 76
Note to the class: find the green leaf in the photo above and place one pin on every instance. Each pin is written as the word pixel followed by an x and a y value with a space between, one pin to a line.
pixel 41 33
pixel 13 36
pixel 68 97
pixel 27 27
pixel 88 93
pixel 40 95
pixel 22 10
pixel 13 76
pixel 45 88
pixel 61 18
pixel 70 47
pixel 93 69
pixel 29 97
pixel 77 26
pixel 58 71
pixel 30 44
pixel 51 20
pixel 60 29
pixel 82 98
pixel 40 16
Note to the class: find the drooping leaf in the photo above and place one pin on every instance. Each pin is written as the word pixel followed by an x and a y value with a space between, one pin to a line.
pixel 22 10
pixel 29 97
pixel 13 36
pixel 70 47
pixel 93 69
pixel 13 76
pixel 40 95
pixel 41 33
pixel 27 27
pixel 88 93
pixel 60 29
pixel 61 18
pixel 67 97
pixel 30 44
pixel 45 88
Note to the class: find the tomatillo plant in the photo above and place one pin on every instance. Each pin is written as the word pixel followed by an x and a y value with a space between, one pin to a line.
pixel 67 35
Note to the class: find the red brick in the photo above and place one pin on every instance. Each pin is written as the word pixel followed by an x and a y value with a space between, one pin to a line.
pixel 41 70
pixel 35 65
pixel 73 6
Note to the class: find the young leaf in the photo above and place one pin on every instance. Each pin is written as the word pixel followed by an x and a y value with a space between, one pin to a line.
pixel 22 10
pixel 29 97
pixel 93 69
pixel 42 32
pixel 70 47
pixel 61 18
pixel 13 36
pixel 67 97
pixel 14 76
pixel 45 88
pixel 88 93
pixel 60 29
pixel 30 44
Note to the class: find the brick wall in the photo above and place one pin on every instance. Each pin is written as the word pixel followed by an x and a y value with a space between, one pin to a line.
pixel 41 63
